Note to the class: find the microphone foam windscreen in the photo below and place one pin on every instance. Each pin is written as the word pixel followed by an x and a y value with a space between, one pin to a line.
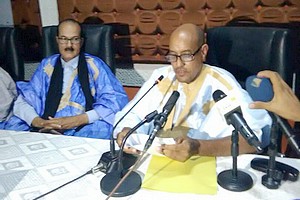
pixel 218 95
pixel 260 89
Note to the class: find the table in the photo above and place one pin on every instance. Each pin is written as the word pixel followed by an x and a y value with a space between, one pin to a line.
pixel 34 163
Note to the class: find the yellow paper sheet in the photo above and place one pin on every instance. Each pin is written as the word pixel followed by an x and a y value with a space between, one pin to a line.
pixel 197 175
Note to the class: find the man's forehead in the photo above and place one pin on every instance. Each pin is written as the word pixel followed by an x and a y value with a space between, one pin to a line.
pixel 182 46
pixel 68 25
pixel 65 28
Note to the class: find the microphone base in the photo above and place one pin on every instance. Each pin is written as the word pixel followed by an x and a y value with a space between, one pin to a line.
pixel 288 172
pixel 130 185
pixel 241 182
pixel 270 182
pixel 109 162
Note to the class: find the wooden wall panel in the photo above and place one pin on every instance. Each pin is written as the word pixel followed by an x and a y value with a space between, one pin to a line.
pixel 150 22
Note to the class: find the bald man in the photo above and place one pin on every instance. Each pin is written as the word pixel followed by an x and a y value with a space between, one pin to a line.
pixel 200 128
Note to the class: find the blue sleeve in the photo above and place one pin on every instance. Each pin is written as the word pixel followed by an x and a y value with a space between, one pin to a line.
pixel 109 96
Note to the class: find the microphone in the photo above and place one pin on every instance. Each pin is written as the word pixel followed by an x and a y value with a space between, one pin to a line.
pixel 233 115
pixel 118 183
pixel 234 179
pixel 161 119
pixel 108 159
pixel 261 89
pixel 147 119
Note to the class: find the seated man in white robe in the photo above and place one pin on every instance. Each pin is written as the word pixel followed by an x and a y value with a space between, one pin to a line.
pixel 209 134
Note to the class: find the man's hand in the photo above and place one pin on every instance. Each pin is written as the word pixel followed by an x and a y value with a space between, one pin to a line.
pixel 70 122
pixel 181 151
pixel 120 138
pixel 284 103
pixel 47 124
pixel 58 125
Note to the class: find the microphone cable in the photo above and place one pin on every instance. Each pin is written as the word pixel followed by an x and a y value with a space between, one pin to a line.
pixel 94 170
pixel 107 160
pixel 112 139
pixel 160 121
pixel 134 167
pixel 91 171
pixel 112 144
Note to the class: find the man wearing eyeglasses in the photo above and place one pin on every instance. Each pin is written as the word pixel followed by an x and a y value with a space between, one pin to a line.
pixel 71 93
pixel 200 128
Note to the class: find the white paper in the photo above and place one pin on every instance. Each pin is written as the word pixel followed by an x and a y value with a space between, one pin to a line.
pixel 138 141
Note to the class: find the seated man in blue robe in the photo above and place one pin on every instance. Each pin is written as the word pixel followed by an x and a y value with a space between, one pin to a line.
pixel 71 93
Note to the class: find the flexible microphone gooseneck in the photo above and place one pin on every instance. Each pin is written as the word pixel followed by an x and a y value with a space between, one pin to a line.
pixel 119 184
pixel 147 119
pixel 107 161
pixel 133 181
pixel 112 144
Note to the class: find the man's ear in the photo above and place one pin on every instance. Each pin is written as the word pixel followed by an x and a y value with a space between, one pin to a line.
pixel 57 40
pixel 204 50
pixel 81 42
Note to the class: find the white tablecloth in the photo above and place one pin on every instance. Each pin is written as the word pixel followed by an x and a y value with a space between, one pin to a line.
pixel 34 163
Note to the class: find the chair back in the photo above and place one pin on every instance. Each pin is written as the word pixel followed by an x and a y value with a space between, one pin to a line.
pixel 244 51
pixel 10 56
pixel 98 41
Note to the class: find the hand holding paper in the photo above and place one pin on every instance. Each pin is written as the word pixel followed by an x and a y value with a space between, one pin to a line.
pixel 138 141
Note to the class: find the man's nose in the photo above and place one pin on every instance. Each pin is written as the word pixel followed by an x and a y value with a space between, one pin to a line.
pixel 178 62
pixel 69 43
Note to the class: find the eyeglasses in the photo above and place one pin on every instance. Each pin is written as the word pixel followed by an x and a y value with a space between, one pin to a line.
pixel 73 40
pixel 185 57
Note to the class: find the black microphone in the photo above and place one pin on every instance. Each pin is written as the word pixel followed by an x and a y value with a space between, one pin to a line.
pixel 161 119
pixel 147 119
pixel 261 89
pixel 289 132
pixel 107 161
pixel 113 183
pixel 233 115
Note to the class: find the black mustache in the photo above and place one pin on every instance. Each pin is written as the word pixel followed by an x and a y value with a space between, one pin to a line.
pixel 69 49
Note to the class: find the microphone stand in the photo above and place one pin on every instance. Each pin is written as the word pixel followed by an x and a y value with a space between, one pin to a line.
pixel 273 177
pixel 234 179
pixel 276 171
pixel 107 162
pixel 288 131
pixel 133 181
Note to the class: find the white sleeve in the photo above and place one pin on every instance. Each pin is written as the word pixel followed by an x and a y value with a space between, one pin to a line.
pixel 24 111
pixel 144 107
